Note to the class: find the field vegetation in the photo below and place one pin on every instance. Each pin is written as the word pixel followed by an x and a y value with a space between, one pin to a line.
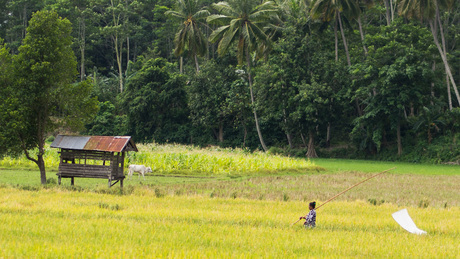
pixel 341 165
pixel 238 173
pixel 60 223
pixel 273 81
pixel 182 159
pixel 243 210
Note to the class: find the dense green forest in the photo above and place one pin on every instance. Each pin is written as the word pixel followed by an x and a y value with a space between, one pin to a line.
pixel 328 78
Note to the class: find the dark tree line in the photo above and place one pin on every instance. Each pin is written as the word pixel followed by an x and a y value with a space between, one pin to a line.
pixel 343 78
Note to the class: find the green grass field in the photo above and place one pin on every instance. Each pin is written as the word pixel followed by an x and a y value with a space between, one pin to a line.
pixel 340 165
pixel 242 211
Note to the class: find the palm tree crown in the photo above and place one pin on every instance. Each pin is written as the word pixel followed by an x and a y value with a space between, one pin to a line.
pixel 244 22
pixel 189 37
pixel 326 9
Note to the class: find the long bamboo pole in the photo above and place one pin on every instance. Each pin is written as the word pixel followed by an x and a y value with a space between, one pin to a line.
pixel 349 188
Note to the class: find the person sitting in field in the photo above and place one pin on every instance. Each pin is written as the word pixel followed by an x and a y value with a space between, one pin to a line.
pixel 310 219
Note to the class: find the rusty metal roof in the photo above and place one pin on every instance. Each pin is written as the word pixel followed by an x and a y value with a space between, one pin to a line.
pixel 96 143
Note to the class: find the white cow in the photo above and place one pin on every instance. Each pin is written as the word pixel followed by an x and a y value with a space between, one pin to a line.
pixel 141 169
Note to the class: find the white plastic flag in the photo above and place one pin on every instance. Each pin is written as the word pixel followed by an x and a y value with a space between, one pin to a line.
pixel 403 219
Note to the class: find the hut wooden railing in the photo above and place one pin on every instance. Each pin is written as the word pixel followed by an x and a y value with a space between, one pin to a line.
pixel 91 164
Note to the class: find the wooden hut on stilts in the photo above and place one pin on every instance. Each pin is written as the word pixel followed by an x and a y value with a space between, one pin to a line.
pixel 93 157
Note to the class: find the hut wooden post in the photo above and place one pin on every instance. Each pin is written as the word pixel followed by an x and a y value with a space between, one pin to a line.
pixel 122 174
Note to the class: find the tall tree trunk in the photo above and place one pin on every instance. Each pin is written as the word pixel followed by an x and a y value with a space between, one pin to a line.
pixel 289 139
pixel 127 52
pixel 288 135
pixel 118 48
pixel 82 49
pixel 392 11
pixel 221 132
pixel 181 65
pixel 303 139
pixel 429 135
pixel 208 47
pixel 444 60
pixel 336 41
pixel 433 68
pixel 24 22
pixel 360 112
pixel 127 37
pixel 444 42
pixel 398 136
pixel 441 29
pixel 261 139
pixel 328 135
pixel 344 39
pixel 119 63
pixel 449 95
pixel 388 11
pixel 444 48
pixel 82 63
pixel 245 133
pixel 197 65
pixel 41 166
pixel 360 25
pixel 135 52
pixel 311 152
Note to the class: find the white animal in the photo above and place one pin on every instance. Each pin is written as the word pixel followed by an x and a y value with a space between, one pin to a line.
pixel 141 169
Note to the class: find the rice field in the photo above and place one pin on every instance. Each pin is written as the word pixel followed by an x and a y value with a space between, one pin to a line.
pixel 399 189
pixel 229 203
pixel 56 223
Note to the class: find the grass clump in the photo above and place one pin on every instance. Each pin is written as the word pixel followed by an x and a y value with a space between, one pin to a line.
pixel 424 204
pixel 376 202
pixel 285 197
pixel 159 193
pixel 114 207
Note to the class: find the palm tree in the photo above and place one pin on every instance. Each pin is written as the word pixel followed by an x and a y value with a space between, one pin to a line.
pixel 244 22
pixel 189 37
pixel 363 5
pixel 430 10
pixel 328 10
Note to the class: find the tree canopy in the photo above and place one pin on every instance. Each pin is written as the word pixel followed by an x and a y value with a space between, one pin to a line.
pixel 362 79
pixel 42 91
